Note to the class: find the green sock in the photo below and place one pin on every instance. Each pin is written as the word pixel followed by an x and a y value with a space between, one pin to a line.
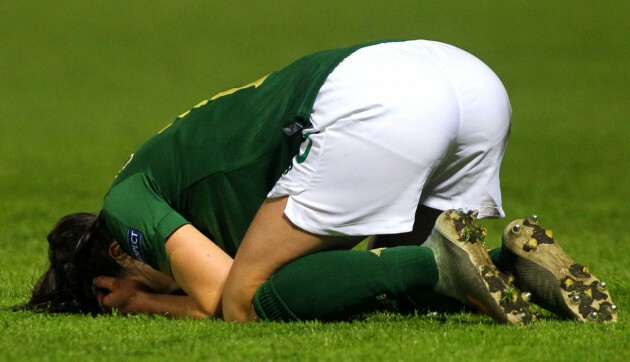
pixel 333 285
pixel 503 260
pixel 495 255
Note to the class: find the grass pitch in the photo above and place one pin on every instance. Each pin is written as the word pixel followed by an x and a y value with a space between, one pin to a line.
pixel 82 84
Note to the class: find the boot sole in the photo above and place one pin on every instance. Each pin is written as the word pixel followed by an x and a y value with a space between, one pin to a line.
pixel 467 273
pixel 556 282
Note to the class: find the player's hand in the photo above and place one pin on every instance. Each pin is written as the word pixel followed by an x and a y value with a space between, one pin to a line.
pixel 121 294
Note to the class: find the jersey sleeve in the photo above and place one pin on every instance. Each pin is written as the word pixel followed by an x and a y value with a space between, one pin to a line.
pixel 141 220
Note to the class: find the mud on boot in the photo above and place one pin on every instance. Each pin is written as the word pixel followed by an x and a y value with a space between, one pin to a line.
pixel 467 272
pixel 555 281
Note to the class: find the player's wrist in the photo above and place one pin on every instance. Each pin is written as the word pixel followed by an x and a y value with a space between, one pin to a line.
pixel 140 302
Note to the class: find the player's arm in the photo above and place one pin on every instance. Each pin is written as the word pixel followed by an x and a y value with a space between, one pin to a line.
pixel 131 296
pixel 199 267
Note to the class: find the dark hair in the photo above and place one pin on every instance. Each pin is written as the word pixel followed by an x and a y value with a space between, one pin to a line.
pixel 78 250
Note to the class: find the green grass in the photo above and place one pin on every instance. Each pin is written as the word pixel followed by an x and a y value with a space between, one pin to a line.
pixel 82 84
pixel 381 337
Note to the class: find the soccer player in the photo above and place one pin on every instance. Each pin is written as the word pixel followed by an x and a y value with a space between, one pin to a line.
pixel 251 200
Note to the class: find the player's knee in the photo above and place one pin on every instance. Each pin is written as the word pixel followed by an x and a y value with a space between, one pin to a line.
pixel 234 315
pixel 237 306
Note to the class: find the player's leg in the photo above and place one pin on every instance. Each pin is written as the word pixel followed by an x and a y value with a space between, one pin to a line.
pixel 423 225
pixel 333 285
pixel 270 242
pixel 325 285
pixel 341 284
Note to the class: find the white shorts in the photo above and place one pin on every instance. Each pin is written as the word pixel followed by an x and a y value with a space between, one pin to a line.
pixel 396 125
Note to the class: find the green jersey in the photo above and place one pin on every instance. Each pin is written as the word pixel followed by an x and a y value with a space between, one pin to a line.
pixel 214 165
